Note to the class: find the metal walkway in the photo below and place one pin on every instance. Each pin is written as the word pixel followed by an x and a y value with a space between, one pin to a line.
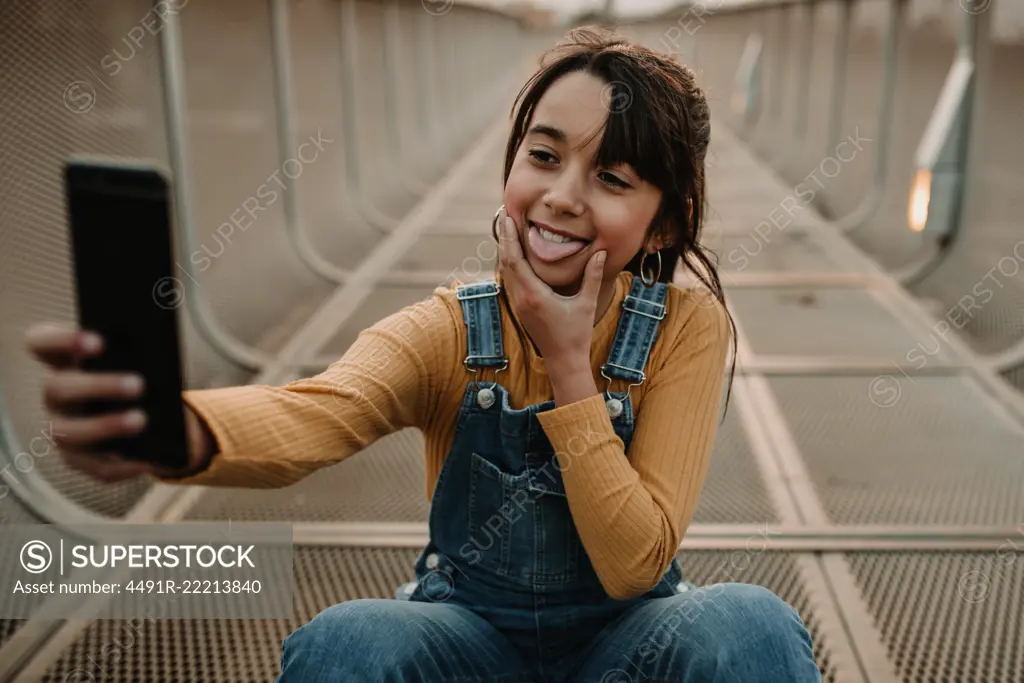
pixel 876 495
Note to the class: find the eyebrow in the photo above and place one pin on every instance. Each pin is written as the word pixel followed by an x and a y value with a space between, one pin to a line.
pixel 550 131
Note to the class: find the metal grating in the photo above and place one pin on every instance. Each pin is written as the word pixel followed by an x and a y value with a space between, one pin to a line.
pixel 480 212
pixel 831 321
pixel 948 617
pixel 1015 377
pixel 716 227
pixel 12 512
pixel 734 492
pixel 983 275
pixel 768 195
pixel 468 253
pixel 231 649
pixel 771 250
pixel 891 450
pixel 382 302
pixel 384 483
pixel 58 100
pixel 241 651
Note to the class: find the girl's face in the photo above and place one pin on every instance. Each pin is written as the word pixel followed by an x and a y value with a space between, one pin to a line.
pixel 554 185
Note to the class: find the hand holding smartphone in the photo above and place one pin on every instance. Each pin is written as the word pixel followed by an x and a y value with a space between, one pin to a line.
pixel 128 293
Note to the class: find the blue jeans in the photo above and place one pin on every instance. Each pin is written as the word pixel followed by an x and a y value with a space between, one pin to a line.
pixel 722 633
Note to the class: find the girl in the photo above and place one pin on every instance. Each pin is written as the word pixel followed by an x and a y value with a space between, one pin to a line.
pixel 569 407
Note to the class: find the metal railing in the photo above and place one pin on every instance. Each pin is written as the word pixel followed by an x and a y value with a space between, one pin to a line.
pixel 924 91
pixel 405 71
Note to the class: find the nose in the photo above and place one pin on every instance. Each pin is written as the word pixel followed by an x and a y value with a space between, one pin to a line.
pixel 564 196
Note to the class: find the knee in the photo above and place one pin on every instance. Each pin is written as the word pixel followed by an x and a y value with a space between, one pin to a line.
pixel 738 625
pixel 350 624
pixel 332 641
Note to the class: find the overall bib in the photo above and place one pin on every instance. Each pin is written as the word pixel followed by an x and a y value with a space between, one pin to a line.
pixel 502 540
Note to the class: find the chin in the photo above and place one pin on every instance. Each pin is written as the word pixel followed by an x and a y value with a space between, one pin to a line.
pixel 561 278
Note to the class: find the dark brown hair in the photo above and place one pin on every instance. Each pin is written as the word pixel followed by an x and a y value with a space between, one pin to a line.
pixel 658 122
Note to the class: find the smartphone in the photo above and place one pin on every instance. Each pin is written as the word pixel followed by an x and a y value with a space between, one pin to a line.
pixel 120 218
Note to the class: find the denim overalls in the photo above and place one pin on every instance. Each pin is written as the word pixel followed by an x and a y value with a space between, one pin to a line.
pixel 502 539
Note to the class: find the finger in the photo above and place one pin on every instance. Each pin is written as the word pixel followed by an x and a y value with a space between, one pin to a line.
pixel 513 262
pixel 593 277
pixel 61 347
pixel 106 467
pixel 71 387
pixel 508 244
pixel 73 433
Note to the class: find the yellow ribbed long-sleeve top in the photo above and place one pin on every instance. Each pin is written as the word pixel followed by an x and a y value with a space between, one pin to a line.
pixel 631 509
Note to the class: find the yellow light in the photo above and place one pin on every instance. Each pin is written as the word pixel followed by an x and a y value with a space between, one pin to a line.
pixel 920 196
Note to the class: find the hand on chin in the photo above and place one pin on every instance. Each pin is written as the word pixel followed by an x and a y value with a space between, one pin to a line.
pixel 560 322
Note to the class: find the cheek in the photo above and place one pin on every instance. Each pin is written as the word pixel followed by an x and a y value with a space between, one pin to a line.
pixel 621 231
pixel 518 194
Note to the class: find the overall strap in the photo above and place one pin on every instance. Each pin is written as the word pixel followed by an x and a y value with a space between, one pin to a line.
pixel 483 324
pixel 642 312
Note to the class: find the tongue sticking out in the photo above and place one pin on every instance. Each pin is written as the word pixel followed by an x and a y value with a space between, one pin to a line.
pixel 552 251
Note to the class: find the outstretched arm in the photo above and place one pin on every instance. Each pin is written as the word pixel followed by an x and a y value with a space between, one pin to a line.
pixel 267 437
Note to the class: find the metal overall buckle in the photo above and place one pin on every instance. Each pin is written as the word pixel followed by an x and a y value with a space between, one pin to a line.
pixel 614 405
pixel 485 397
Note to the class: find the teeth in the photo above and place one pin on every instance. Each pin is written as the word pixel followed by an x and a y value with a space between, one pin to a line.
pixel 552 237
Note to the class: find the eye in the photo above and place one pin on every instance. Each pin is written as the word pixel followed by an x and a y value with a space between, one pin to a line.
pixel 613 179
pixel 537 154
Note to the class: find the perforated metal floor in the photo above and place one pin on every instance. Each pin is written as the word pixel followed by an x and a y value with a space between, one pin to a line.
pixel 834 322
pixel 8 627
pixel 949 617
pixel 249 651
pixel 896 450
pixel 791 251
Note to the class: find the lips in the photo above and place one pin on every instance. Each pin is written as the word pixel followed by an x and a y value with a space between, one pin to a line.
pixel 549 252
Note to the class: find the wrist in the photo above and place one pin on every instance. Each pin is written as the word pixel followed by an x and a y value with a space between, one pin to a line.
pixel 572 379
pixel 201 446
pixel 570 363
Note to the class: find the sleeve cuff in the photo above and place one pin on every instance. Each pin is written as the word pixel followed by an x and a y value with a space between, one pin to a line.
pixel 590 411
pixel 202 403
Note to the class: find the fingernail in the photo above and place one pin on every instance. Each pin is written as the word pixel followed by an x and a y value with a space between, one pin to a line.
pixel 509 225
pixel 91 342
pixel 132 384
pixel 600 257
pixel 134 419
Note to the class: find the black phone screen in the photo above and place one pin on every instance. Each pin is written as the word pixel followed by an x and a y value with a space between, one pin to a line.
pixel 120 222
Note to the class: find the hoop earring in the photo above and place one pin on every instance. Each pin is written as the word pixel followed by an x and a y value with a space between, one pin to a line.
pixel 657 277
pixel 494 224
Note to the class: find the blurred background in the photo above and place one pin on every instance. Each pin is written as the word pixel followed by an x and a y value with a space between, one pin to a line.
pixel 335 160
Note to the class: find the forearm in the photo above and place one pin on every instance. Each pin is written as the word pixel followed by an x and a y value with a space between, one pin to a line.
pixel 571 379
pixel 260 436
pixel 624 527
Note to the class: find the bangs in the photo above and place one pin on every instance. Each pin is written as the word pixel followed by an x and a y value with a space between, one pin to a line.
pixel 646 126
pixel 630 136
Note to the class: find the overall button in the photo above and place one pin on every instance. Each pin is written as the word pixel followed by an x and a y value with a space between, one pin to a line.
pixel 485 398
pixel 682 587
pixel 614 406
pixel 432 561
pixel 410 588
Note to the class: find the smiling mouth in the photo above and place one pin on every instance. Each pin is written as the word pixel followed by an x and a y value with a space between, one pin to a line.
pixel 551 251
